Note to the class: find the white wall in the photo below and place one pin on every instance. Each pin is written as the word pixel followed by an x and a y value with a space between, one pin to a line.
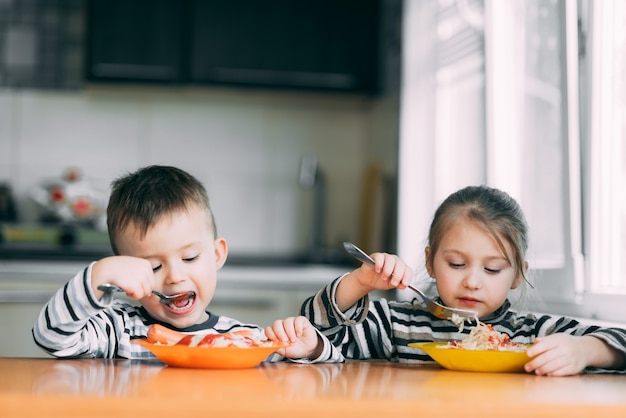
pixel 244 145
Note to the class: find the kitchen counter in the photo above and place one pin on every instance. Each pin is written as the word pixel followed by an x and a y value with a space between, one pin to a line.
pixel 46 275
pixel 121 388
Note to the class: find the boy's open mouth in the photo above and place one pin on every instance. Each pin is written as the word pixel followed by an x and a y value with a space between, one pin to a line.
pixel 182 303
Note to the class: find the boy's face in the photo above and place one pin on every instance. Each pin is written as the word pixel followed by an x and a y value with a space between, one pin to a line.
pixel 184 256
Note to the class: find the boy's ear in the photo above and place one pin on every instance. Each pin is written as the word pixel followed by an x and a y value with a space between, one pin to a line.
pixel 221 252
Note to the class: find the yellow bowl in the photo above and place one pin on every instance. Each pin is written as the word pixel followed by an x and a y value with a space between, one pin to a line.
pixel 475 360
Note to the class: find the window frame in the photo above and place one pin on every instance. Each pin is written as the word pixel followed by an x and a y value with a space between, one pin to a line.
pixel 559 281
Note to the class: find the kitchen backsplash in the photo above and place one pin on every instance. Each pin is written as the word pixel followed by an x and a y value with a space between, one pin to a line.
pixel 244 145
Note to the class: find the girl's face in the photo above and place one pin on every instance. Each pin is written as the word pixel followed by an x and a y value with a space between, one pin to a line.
pixel 184 256
pixel 470 270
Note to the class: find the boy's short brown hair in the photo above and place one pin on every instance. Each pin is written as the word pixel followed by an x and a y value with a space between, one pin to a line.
pixel 143 197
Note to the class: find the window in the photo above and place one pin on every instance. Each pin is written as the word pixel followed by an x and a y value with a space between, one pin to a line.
pixel 556 141
pixel 606 143
pixel 533 135
pixel 551 102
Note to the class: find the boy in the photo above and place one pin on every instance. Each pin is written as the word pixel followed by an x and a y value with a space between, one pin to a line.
pixel 164 238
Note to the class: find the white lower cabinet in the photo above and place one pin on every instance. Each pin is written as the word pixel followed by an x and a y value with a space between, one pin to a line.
pixel 21 299
pixel 258 306
pixel 16 321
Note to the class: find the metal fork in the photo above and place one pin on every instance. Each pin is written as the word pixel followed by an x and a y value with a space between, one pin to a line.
pixel 107 287
pixel 453 314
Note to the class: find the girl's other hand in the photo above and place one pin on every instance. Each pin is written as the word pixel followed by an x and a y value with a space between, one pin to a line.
pixel 305 342
pixel 565 355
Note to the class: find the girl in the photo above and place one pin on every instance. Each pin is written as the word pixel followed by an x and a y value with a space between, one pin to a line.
pixel 476 254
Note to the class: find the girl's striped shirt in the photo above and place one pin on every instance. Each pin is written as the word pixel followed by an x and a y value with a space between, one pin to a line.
pixel 383 329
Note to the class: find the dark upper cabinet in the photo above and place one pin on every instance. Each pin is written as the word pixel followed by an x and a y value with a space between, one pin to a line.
pixel 318 44
pixel 330 45
pixel 135 40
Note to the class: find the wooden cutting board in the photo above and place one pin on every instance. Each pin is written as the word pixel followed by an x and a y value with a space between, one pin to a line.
pixel 372 208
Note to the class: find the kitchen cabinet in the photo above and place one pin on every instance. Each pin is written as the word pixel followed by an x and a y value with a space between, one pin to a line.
pixel 16 322
pixel 330 45
pixel 24 289
pixel 319 44
pixel 139 40
pixel 42 45
pixel 258 306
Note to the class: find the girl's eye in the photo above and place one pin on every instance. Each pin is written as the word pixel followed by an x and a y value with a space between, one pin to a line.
pixel 157 268
pixel 456 265
pixel 190 259
pixel 494 271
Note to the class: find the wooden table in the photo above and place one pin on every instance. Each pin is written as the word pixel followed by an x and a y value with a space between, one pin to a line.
pixel 120 388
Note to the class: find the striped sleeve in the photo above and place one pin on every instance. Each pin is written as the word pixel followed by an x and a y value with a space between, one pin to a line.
pixel 525 328
pixel 613 337
pixel 323 313
pixel 330 354
pixel 74 324
pixel 376 329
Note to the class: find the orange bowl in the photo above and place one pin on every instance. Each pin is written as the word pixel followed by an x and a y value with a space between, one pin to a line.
pixel 211 357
